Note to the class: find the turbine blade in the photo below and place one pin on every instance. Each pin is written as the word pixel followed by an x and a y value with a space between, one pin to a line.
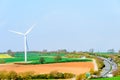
pixel 27 44
pixel 16 32
pixel 29 29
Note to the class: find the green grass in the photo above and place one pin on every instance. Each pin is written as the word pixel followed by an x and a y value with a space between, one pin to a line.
pixel 35 56
pixel 113 78
pixel 50 59
pixel 19 57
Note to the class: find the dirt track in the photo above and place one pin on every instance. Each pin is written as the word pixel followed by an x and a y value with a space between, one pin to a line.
pixel 72 67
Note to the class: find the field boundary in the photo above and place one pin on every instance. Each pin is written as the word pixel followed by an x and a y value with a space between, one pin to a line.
pixel 95 65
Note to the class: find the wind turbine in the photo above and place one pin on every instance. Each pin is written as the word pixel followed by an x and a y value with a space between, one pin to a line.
pixel 25 39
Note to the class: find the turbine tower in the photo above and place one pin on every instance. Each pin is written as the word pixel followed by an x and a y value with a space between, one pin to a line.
pixel 25 39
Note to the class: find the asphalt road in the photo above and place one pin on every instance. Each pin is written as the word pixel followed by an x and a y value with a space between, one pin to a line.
pixel 110 66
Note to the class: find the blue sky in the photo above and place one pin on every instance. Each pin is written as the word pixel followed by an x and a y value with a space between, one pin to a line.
pixel 60 24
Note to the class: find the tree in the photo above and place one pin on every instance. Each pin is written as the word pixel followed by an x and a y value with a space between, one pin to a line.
pixel 91 71
pixel 91 50
pixel 62 50
pixel 11 53
pixel 81 77
pixel 111 51
pixel 74 51
pixel 57 58
pixel 119 52
pixel 44 51
pixel 42 60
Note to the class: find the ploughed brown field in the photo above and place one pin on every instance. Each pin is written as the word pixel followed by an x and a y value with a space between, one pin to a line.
pixel 71 67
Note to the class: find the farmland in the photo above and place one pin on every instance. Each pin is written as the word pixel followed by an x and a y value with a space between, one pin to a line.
pixel 71 67
pixel 5 56
pixel 75 65
pixel 69 62
pixel 34 57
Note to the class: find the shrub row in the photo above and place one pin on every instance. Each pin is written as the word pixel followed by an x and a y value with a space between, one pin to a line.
pixel 4 75
pixel 100 63
pixel 116 72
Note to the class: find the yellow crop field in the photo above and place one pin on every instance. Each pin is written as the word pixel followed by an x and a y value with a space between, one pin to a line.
pixel 5 56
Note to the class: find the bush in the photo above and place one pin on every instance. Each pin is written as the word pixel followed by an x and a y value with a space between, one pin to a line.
pixel 55 75
pixel 91 71
pixel 40 76
pixel 96 73
pixel 57 58
pixel 42 60
pixel 68 75
pixel 3 75
pixel 12 75
pixel 100 63
pixel 26 75
pixel 116 72
pixel 81 77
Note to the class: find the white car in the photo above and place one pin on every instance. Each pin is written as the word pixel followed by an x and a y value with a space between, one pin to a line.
pixel 109 75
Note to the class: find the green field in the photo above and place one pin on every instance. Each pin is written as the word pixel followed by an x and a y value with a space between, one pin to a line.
pixel 113 78
pixel 35 56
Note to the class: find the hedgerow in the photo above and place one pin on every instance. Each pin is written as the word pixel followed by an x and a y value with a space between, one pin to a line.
pixel 5 75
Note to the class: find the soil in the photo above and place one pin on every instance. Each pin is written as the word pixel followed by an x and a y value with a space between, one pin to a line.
pixel 71 67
